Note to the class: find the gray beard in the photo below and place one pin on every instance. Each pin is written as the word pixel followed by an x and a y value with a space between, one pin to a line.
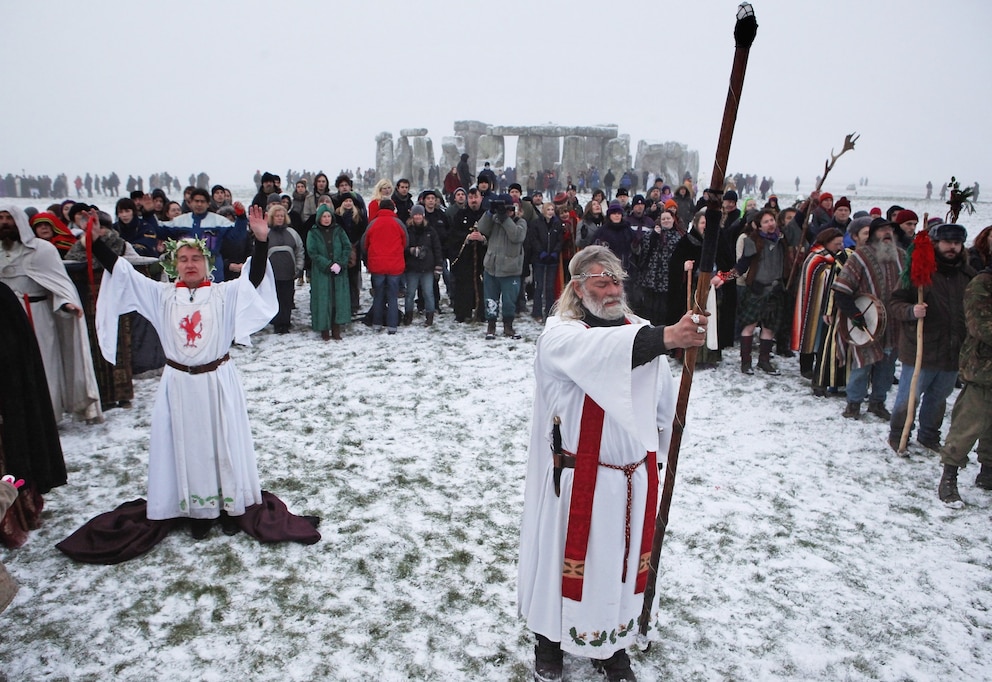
pixel 887 253
pixel 600 310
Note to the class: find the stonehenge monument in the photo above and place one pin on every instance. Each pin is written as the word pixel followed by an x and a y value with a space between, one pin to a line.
pixel 568 150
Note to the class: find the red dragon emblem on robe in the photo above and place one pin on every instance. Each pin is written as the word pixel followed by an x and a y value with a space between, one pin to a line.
pixel 192 326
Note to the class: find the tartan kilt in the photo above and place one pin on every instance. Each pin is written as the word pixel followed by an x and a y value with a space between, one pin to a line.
pixel 764 310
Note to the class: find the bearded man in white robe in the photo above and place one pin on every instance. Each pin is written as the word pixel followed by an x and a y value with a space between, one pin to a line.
pixel 590 508
pixel 201 461
pixel 33 269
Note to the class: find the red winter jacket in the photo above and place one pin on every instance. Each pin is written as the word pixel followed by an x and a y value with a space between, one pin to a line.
pixel 384 244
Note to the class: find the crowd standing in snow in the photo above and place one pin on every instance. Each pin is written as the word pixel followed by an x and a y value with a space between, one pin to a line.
pixel 820 279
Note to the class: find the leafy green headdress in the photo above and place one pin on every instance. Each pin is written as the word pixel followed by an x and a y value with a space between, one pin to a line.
pixel 172 247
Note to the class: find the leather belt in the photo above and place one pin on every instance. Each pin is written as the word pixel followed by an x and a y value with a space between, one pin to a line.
pixel 199 369
pixel 37 299
pixel 564 461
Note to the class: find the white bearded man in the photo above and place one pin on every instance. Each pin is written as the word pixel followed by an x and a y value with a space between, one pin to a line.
pixel 606 393
pixel 33 269
pixel 201 461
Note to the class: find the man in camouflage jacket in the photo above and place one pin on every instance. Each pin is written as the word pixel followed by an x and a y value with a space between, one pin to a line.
pixel 970 421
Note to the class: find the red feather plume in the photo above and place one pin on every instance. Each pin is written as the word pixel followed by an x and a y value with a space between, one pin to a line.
pixel 923 261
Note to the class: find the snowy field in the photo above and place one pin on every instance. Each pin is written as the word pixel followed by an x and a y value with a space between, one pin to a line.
pixel 800 547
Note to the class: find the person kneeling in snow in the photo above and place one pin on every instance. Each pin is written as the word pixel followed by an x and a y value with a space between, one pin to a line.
pixel 201 456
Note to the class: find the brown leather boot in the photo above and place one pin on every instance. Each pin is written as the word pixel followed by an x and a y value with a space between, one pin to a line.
pixel 508 330
pixel 326 335
pixel 429 320
pixel 336 332
pixel 490 330
pixel 747 343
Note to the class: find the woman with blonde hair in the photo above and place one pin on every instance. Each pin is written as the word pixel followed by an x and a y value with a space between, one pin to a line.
pixel 382 190
pixel 286 256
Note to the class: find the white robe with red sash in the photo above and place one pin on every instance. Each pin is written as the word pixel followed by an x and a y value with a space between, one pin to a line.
pixel 584 373
pixel 201 456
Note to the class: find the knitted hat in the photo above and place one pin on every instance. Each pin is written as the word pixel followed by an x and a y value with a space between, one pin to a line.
pixel 638 200
pixel 321 210
pixel 730 195
pixel 670 204
pixel 418 210
pixel 904 216
pixel 826 195
pixel 857 225
pixel 841 203
pixel 615 207
pixel 622 192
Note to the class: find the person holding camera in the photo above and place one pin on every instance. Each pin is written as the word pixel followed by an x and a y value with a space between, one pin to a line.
pixel 505 231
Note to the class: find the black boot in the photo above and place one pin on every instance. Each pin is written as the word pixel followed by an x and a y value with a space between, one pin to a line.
pixel 336 332
pixel 984 478
pixel 200 528
pixel 429 320
pixel 548 666
pixel 764 357
pixel 947 489
pixel 407 318
pixel 747 343
pixel 490 330
pixel 616 668
pixel 229 524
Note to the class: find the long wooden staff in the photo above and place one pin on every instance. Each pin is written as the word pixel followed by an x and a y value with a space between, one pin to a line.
pixel 745 31
pixel 922 264
pixel 828 166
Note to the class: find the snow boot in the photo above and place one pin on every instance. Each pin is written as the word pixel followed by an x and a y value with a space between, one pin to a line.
pixel 616 668
pixel 336 332
pixel 877 408
pixel 929 443
pixel 490 330
pixel 852 411
pixel 947 489
pixel 429 320
pixel 200 528
pixel 508 330
pixel 764 357
pixel 548 661
pixel 747 343
pixel 407 318
pixel 229 524
pixel 326 335
pixel 984 478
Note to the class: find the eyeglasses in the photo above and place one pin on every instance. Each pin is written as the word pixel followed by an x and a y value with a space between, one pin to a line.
pixel 606 273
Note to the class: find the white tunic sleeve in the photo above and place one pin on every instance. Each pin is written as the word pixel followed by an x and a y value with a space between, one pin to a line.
pixel 599 360
pixel 123 291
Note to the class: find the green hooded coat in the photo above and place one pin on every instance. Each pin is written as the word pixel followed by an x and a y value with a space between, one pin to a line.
pixel 330 297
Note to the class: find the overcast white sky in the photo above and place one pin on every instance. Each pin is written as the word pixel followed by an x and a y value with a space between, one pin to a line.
pixel 228 87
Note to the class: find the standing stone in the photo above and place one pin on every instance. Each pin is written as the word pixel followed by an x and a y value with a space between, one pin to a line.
pixel 471 131
pixel 617 156
pixel 668 160
pixel 573 158
pixel 528 157
pixel 492 148
pixel 384 155
pixel 403 161
pixel 549 152
pixel 423 159
pixel 452 148
pixel 595 148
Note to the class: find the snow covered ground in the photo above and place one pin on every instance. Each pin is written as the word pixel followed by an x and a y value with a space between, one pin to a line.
pixel 800 547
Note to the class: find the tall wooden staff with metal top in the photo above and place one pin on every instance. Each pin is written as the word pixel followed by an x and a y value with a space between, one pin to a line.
pixel 744 32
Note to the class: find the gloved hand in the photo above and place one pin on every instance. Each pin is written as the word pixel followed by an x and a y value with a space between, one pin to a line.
pixel 335 268
pixel 239 208
pixel 543 256
pixel 859 321
pixel 10 479
pixel 437 274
